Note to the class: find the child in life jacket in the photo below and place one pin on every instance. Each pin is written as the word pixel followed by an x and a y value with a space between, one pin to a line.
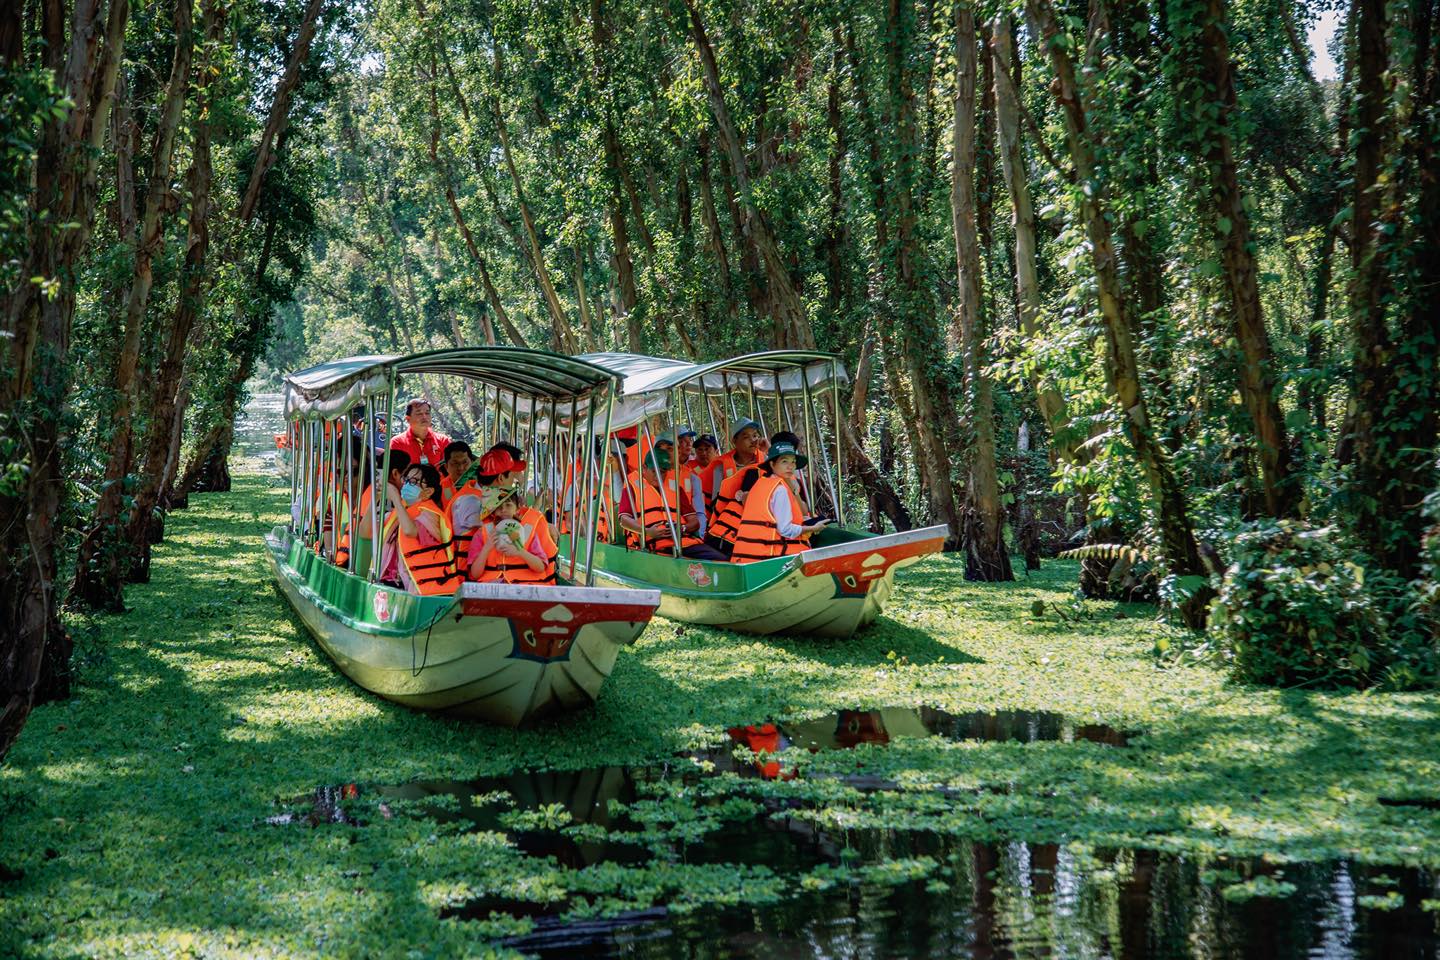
pixel 513 544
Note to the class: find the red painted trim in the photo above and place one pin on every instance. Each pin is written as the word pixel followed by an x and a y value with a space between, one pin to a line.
pixel 851 563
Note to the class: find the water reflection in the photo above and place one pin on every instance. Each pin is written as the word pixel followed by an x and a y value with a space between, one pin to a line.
pixel 1028 900
pixel 256 427
pixel 972 899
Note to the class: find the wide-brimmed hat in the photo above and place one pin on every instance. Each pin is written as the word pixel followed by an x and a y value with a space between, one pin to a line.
pixel 499 461
pixel 493 497
pixel 743 425
pixel 782 449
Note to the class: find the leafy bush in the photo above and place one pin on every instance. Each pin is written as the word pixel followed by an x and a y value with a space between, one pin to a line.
pixel 1296 607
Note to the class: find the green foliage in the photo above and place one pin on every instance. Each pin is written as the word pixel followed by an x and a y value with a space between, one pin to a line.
pixel 1297 607
pixel 208 709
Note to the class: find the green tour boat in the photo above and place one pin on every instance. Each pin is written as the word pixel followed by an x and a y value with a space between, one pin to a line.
pixel 835 588
pixel 506 653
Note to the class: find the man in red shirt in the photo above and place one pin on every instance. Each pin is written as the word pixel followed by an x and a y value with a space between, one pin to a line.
pixel 423 444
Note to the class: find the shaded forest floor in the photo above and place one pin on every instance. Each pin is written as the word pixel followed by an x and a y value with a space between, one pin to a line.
pixel 133 817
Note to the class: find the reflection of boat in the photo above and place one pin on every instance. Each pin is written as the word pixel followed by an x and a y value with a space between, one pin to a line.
pixel 843 730
pixel 502 652
pixel 832 590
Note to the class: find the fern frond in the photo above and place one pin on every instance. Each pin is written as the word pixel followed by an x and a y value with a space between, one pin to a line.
pixel 1106 551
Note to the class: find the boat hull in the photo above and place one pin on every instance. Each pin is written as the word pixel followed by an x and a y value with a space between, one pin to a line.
pixel 498 652
pixel 830 591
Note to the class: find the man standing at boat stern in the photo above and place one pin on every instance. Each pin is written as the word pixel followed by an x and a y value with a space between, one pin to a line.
pixel 423 444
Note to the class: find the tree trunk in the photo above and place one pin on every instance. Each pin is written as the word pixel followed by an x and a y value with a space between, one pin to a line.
pixel 1022 219
pixel 249 341
pixel 920 338
pixel 492 296
pixel 189 307
pixel 986 556
pixel 1257 382
pixel 99 565
pixel 35 654
pixel 1395 323
pixel 279 116
pixel 559 322
pixel 836 227
pixel 1177 538
pixel 781 293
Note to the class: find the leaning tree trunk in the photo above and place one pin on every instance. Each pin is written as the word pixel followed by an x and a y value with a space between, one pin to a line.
pixel 214 460
pixel 34 647
pixel 99 564
pixel 189 307
pixel 1258 388
pixel 1177 537
pixel 781 292
pixel 986 556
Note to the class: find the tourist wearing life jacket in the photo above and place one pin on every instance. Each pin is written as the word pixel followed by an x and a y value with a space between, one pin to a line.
pixel 457 462
pixel 426 554
pixel 707 463
pixel 653 518
pixel 733 475
pixel 513 544
pixel 607 493
pixel 499 467
pixel 339 549
pixel 364 522
pixel 681 475
pixel 772 523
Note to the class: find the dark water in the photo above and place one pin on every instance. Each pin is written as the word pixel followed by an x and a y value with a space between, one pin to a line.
pixel 255 428
pixel 976 900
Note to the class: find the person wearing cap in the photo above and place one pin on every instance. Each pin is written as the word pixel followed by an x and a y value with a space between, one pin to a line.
pixel 802 489
pixel 681 475
pixel 649 507
pixel 685 447
pixel 418 440
pixel 456 463
pixel 499 467
pixel 707 458
pixel 773 522
pixel 736 473
pixel 513 544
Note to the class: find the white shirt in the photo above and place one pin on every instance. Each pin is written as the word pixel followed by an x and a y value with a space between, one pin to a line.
pixel 785 522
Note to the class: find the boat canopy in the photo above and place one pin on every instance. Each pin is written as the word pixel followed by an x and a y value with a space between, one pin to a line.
pixel 330 389
pixel 646 382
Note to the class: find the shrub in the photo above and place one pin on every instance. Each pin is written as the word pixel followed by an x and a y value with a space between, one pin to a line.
pixel 1296 608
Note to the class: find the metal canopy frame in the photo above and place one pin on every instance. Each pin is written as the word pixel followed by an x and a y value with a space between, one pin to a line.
pixel 327 392
pixel 329 389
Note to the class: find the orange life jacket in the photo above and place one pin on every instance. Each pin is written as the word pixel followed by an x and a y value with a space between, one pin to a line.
pixel 725 523
pixel 500 568
pixel 387 527
pixel 652 507
pixel 582 510
pixel 431 569
pixel 462 539
pixel 759 537
pixel 709 478
pixel 447 489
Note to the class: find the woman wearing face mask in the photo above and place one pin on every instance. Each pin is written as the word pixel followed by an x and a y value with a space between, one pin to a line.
pixel 427 555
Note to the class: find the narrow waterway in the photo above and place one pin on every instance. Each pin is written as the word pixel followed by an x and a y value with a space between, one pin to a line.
pixel 255 429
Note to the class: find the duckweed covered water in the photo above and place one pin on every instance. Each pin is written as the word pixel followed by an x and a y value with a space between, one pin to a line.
pixel 864 891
